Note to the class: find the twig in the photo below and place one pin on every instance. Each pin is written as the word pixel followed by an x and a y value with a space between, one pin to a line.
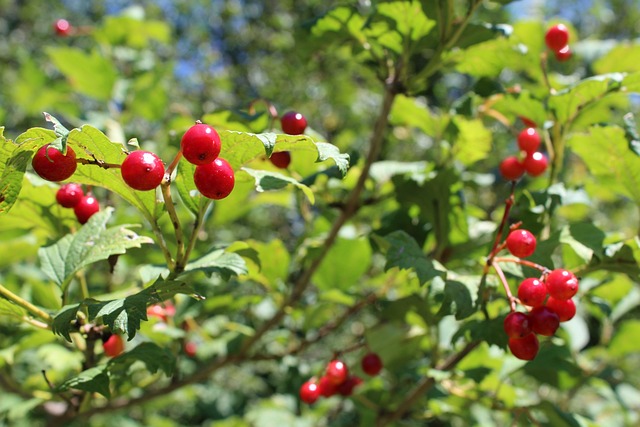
pixel 175 221
pixel 505 285
pixel 25 304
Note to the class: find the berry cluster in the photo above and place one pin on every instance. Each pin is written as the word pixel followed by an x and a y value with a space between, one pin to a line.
pixel 533 162
pixel 71 196
pixel 548 299
pixel 337 380
pixel 292 123
pixel 557 40
pixel 214 176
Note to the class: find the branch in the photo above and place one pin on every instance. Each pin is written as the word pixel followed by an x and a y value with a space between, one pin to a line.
pixel 424 385
pixel 25 304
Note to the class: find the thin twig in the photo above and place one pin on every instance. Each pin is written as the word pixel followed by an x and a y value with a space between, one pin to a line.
pixel 25 304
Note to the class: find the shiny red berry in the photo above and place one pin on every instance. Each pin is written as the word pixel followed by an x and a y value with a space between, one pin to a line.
pixel 337 372
pixel 69 195
pixel 521 243
pixel 535 163
pixel 371 364
pixel 215 180
pixel 62 27
pixel 200 144
pixel 562 284
pixel 309 392
pixel 52 165
pixel 564 308
pixel 156 310
pixel 532 292
pixel 529 140
pixel 517 325
pixel 327 387
pixel 511 168
pixel 113 346
pixel 564 54
pixel 524 348
pixel 557 37
pixel 293 123
pixel 142 170
pixel 85 208
pixel 281 159
pixel 544 321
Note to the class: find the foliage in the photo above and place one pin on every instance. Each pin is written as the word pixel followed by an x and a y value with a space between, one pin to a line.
pixel 379 237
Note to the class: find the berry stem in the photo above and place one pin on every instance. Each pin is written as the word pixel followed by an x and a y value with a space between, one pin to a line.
pixel 197 225
pixel 175 221
pixel 505 285
pixel 174 163
pixel 96 162
pixel 521 262
pixel 498 245
pixel 25 304
pixel 273 112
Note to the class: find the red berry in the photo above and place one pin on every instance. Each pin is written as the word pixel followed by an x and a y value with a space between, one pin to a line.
pixel 517 325
pixel 524 348
pixel 544 321
pixel 309 392
pixel 327 387
pixel 190 348
pixel 337 372
pixel 564 54
pixel 142 170
pixel 557 37
pixel 529 140
pixel 521 243
pixel 562 284
pixel 69 195
pixel 532 292
pixel 564 308
pixel 346 388
pixel 113 346
pixel 156 310
pixel 371 364
pixel 215 180
pixel 511 168
pixel 535 163
pixel 293 123
pixel 85 208
pixel 281 159
pixel 200 144
pixel 62 27
pixel 52 165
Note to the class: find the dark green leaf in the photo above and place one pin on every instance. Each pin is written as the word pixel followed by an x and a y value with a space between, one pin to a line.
pixel 154 357
pixel 219 261
pixel 93 380
pixel 403 252
pixel 267 180
pixel 631 132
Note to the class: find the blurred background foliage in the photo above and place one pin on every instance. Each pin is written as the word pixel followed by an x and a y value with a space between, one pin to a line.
pixel 147 70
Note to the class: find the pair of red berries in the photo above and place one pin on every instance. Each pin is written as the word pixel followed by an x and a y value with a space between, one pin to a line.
pixel 550 299
pixel 557 40
pixel 292 123
pixel 84 206
pixel 337 380
pixel 534 162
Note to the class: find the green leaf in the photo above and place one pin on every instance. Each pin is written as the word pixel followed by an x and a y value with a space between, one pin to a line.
pixel 472 141
pixel 16 164
pixel 585 239
pixel 124 314
pixel 267 180
pixel 344 265
pixel 622 58
pixel 153 356
pixel 93 380
pixel 631 132
pixel 219 261
pixel 626 339
pixel 403 252
pixel 93 242
pixel 408 111
pixel 459 297
pixel 568 103
pixel 522 104
pixel 132 32
pixel 7 308
pixel 186 186
pixel 91 74
pixel 93 145
pixel 606 152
